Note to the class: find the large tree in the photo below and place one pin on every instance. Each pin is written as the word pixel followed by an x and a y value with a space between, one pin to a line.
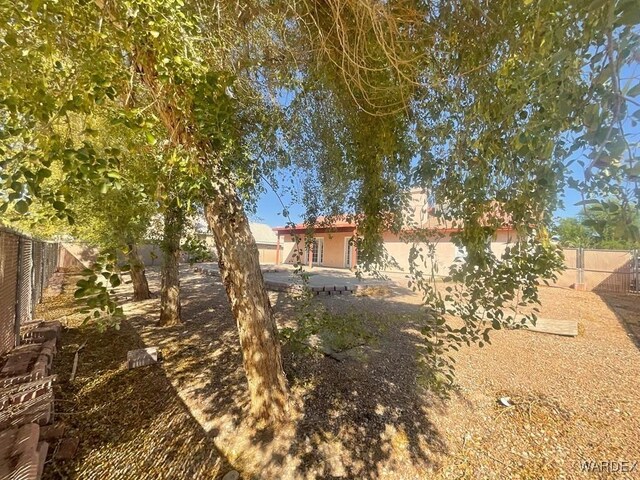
pixel 604 224
pixel 86 56
pixel 479 102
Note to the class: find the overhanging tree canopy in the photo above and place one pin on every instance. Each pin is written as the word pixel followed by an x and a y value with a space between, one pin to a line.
pixel 478 102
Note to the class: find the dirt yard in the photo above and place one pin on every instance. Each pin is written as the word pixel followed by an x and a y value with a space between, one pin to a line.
pixel 362 415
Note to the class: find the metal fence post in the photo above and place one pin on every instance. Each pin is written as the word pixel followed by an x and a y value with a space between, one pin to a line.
pixel 35 280
pixel 580 265
pixel 43 271
pixel 16 323
pixel 636 268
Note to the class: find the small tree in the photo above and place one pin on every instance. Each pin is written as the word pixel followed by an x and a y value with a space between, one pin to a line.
pixel 605 224
pixel 572 233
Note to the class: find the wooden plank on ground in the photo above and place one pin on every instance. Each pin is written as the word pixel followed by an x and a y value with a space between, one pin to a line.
pixel 567 328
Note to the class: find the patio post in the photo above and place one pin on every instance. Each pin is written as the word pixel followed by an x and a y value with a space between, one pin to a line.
pixel 278 249
pixel 354 254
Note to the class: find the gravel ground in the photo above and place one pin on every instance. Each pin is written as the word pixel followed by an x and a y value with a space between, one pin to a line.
pixel 131 423
pixel 575 399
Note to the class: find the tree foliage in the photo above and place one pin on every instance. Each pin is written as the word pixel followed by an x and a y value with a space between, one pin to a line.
pixel 482 104
pixel 604 225
pixel 571 233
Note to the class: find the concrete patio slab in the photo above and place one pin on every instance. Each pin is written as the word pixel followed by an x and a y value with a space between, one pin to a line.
pixel 321 280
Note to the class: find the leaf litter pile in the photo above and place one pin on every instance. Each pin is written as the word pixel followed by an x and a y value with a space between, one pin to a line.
pixel 360 414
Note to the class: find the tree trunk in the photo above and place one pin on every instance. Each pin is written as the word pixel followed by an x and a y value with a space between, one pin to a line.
pixel 238 258
pixel 242 278
pixel 138 276
pixel 170 310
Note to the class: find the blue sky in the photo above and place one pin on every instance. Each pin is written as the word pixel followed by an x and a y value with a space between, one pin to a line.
pixel 269 209
pixel 571 197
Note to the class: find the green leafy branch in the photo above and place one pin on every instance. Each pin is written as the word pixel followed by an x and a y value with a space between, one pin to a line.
pixel 96 291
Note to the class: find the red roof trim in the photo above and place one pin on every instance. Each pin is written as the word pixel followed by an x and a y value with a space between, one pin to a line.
pixel 303 229
pixel 352 228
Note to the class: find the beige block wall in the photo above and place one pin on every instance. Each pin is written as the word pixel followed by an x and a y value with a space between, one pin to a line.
pixel 607 281
pixel 445 251
pixel 570 257
pixel 76 256
pixel 607 260
pixel 67 262
pixel 567 278
pixel 604 270
pixel 151 254
pixel 607 270
pixel 266 252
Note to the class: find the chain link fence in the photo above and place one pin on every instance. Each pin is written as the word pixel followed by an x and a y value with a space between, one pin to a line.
pixel 26 266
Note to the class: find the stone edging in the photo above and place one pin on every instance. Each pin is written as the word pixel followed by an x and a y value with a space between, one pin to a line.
pixel 315 290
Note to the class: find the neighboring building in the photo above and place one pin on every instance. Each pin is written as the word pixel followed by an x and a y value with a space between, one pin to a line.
pixel 332 246
pixel 265 237
pixel 267 242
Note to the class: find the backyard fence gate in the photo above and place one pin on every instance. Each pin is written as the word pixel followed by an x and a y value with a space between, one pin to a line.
pixel 602 270
pixel 26 267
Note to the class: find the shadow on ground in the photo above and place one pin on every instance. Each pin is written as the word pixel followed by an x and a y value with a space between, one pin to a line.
pixel 625 308
pixel 366 416
pixel 131 423
pixel 363 417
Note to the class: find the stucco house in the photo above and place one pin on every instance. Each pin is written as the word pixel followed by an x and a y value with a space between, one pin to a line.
pixel 331 245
